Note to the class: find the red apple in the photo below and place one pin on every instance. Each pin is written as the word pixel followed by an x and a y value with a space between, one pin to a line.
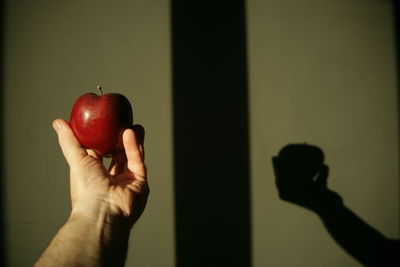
pixel 98 121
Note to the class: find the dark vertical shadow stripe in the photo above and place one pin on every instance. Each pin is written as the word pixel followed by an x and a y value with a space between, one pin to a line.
pixel 396 14
pixel 211 140
pixel 3 235
pixel 3 260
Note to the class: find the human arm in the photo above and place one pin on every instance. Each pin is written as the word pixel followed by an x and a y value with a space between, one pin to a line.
pixel 105 203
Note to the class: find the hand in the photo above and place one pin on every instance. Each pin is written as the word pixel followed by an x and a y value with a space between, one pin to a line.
pixel 119 193
pixel 105 203
pixel 301 176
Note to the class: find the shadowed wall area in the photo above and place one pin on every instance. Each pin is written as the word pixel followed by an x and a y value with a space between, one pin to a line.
pixel 212 197
pixel 2 177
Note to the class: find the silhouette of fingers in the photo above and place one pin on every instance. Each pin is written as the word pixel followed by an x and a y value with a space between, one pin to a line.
pixel 322 178
pixel 140 134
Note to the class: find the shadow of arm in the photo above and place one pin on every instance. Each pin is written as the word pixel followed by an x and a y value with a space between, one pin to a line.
pixel 356 237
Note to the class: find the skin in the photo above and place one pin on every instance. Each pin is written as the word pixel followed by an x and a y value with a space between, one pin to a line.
pixel 105 202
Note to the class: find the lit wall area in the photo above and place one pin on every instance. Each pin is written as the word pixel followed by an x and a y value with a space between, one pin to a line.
pixel 56 51
pixel 322 73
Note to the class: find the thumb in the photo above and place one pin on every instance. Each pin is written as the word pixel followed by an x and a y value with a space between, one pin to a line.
pixel 70 146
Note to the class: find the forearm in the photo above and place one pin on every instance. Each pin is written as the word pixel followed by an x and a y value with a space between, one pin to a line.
pixel 84 241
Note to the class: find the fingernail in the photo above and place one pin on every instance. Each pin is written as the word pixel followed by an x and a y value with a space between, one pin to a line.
pixel 57 125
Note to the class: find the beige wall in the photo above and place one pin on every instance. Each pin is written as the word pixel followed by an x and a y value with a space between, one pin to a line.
pixel 322 72
pixel 56 51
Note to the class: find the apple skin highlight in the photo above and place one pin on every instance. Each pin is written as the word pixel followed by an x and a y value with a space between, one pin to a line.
pixel 98 121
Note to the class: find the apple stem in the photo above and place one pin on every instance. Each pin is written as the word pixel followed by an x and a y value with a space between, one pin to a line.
pixel 100 90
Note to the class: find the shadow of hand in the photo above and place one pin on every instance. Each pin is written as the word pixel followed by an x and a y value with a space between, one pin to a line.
pixel 301 178
pixel 301 175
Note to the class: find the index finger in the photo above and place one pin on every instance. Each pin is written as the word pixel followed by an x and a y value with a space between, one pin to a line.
pixel 70 146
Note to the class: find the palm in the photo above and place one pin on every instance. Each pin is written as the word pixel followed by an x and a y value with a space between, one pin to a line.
pixel 126 186
pixel 122 188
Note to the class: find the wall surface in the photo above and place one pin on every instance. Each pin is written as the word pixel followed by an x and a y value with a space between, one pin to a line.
pixel 56 51
pixel 321 72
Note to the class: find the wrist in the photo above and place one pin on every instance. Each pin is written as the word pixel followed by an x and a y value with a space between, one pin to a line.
pixel 101 223
pixel 327 201
pixel 109 234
